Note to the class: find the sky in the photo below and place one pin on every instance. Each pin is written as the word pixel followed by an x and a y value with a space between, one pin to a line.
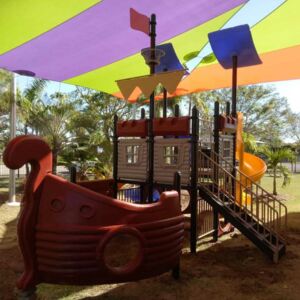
pixel 289 89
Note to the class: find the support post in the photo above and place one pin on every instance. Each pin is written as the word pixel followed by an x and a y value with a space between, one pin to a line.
pixel 142 186
pixel 176 112
pixel 216 225
pixel 165 104
pixel 234 85
pixel 151 114
pixel 13 119
pixel 227 108
pixel 216 134
pixel 73 173
pixel 194 179
pixel 143 114
pixel 115 157
pixel 234 112
pixel 216 172
pixel 177 183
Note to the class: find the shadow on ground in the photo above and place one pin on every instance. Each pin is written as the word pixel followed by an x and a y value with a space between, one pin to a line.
pixel 230 269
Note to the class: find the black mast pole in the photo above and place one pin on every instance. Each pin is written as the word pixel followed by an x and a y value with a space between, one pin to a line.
pixel 194 179
pixel 165 103
pixel 151 113
pixel 216 134
pixel 115 158
pixel 234 84
pixel 233 107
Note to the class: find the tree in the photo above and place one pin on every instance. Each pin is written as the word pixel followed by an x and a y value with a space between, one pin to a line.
pixel 29 103
pixel 293 121
pixel 143 102
pixel 250 143
pixel 92 129
pixel 201 103
pixel 265 111
pixel 274 158
pixel 53 121
pixel 5 93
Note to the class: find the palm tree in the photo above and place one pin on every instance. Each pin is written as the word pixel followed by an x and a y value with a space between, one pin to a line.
pixel 5 83
pixel 249 142
pixel 274 158
pixel 202 105
pixel 52 122
pixel 30 103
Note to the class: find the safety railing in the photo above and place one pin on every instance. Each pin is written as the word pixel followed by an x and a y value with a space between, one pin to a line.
pixel 205 219
pixel 132 194
pixel 246 200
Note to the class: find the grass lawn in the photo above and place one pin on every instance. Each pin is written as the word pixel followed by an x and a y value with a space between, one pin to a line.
pixel 232 268
pixel 291 192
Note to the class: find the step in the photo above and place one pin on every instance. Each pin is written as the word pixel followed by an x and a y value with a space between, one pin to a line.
pixel 263 237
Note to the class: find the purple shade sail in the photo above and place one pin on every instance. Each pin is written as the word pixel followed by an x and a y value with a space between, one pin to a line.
pixel 102 35
pixel 234 41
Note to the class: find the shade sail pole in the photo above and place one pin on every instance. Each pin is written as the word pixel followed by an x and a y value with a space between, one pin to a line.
pixel 12 179
pixel 151 113
pixel 233 110
pixel 165 104
pixel 234 84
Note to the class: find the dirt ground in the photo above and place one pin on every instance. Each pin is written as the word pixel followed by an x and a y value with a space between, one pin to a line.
pixel 232 268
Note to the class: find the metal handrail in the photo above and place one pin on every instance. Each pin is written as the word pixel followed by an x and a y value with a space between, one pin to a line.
pixel 241 192
pixel 267 196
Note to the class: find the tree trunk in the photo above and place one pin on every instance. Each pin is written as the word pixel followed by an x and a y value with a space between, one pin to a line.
pixel 274 182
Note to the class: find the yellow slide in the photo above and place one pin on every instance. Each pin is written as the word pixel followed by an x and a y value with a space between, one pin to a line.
pixel 249 164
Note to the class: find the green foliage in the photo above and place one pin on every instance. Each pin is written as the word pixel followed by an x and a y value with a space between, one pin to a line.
pixel 5 96
pixel 92 129
pixel 274 157
pixel 202 105
pixel 265 111
pixel 249 142
pixel 293 126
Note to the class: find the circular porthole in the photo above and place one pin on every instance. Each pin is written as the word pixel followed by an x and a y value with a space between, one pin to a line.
pixel 57 205
pixel 86 211
pixel 121 251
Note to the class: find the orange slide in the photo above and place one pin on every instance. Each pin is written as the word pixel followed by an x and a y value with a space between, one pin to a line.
pixel 249 164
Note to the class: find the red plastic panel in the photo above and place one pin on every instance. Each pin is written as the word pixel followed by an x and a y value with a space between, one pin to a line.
pixel 227 124
pixel 134 128
pixel 33 150
pixel 64 228
pixel 171 126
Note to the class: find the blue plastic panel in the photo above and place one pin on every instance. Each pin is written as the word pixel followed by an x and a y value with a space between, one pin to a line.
pixel 234 41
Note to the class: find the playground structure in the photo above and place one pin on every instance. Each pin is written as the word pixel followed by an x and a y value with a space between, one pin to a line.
pixel 205 163
pixel 65 228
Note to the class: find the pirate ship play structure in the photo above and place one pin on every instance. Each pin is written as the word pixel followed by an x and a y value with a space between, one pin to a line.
pixel 66 227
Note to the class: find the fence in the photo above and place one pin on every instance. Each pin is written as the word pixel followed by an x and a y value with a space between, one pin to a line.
pixel 4 171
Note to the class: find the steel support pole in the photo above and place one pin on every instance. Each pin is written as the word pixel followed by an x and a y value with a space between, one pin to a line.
pixel 194 180
pixel 13 118
pixel 165 104
pixel 151 113
pixel 115 157
pixel 234 112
